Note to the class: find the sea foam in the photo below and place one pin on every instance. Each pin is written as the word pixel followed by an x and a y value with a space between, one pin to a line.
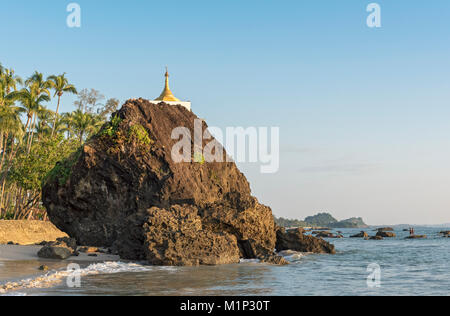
pixel 54 278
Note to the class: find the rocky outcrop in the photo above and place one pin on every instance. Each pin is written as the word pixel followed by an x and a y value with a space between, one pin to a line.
pixel 296 240
pixel 386 234
pixel 123 190
pixel 377 237
pixel 362 234
pixel 385 229
pixel 416 237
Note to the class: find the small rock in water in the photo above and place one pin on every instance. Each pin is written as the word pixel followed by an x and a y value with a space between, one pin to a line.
pixel 376 238
pixel 416 237
pixel 386 234
pixel 385 229
pixel 362 234
pixel 43 268
pixel 92 255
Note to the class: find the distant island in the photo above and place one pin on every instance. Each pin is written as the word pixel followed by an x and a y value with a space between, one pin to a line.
pixel 322 220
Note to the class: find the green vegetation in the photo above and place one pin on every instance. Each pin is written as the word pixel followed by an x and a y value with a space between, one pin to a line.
pixel 34 138
pixel 63 168
pixel 112 128
pixel 284 222
pixel 138 134
pixel 321 220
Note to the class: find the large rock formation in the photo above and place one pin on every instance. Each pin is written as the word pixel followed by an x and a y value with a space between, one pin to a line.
pixel 123 190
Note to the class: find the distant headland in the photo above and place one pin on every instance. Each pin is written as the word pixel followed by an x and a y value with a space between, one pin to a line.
pixel 322 220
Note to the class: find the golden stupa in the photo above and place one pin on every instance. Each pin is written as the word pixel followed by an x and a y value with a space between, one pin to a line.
pixel 167 95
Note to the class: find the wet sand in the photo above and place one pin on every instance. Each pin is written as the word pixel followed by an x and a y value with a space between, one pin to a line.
pixel 20 262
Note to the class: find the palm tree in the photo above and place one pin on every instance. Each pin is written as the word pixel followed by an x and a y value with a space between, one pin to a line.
pixel 43 128
pixel 37 82
pixel 11 80
pixel 31 104
pixel 39 92
pixel 61 85
pixel 84 124
pixel 11 127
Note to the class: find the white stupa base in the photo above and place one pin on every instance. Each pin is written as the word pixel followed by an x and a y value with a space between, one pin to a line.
pixel 187 105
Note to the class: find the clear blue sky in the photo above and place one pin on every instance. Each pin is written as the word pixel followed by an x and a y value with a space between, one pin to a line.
pixel 363 112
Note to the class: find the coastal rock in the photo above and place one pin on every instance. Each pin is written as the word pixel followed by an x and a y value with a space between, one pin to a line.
pixel 386 234
pixel 124 191
pixel 296 240
pixel 55 252
pixel 416 237
pixel 43 268
pixel 385 229
pixel 325 234
pixel 376 238
pixel 252 250
pixel 176 237
pixel 362 234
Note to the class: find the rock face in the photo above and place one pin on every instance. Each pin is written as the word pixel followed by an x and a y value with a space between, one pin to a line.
pixel 295 239
pixel 124 191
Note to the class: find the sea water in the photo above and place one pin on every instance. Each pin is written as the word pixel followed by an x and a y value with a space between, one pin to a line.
pixel 406 267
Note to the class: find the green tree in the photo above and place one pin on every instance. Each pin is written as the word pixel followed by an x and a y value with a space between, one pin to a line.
pixel 30 170
pixel 85 125
pixel 32 104
pixel 60 85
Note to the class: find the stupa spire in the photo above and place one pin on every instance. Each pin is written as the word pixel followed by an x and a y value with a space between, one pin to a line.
pixel 167 95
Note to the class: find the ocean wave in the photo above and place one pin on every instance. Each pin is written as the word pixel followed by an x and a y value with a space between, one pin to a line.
pixel 292 256
pixel 250 261
pixel 54 278
pixel 289 255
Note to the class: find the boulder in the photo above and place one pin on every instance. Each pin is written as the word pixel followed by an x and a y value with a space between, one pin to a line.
pixel 386 234
pixel 362 234
pixel 43 268
pixel 55 252
pixel 66 242
pixel 325 234
pixel 296 240
pixel 416 237
pixel 385 229
pixel 122 190
pixel 376 238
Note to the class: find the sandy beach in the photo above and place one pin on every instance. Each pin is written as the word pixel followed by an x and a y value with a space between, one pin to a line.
pixel 19 265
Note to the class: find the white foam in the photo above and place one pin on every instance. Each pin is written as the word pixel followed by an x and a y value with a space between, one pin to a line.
pixel 55 277
pixel 292 256
pixel 250 261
